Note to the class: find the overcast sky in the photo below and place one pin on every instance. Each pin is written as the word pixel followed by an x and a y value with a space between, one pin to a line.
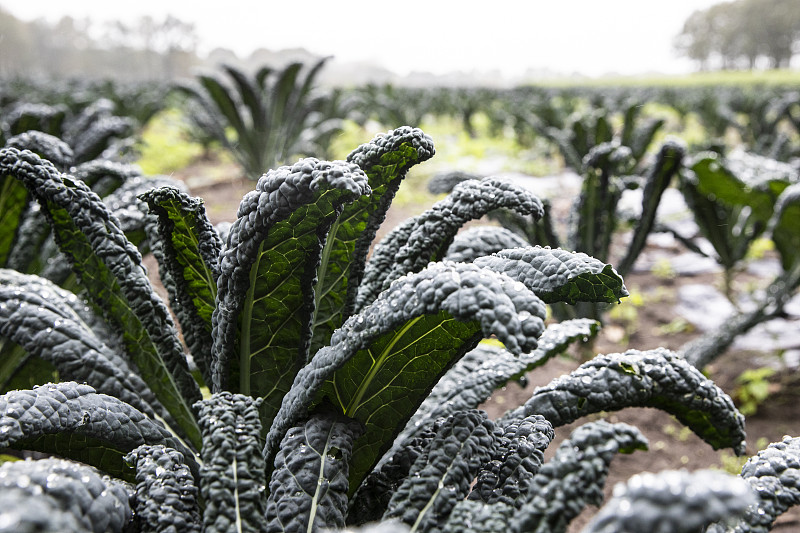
pixel 592 37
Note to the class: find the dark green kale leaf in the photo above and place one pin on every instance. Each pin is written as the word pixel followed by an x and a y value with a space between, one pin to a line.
pixel 74 421
pixel 674 500
pixel 383 362
pixel 262 322
pixel 98 503
pixel 419 240
pixel 309 486
pixel 574 477
pixel 556 275
pixel 385 160
pixel 441 476
pixel 233 473
pixel 110 270
pixel 165 500
pixel 655 378
pixel 187 248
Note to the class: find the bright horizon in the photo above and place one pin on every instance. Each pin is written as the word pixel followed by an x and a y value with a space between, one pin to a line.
pixel 625 37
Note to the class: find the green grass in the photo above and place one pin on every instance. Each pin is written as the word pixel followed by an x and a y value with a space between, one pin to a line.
pixel 164 145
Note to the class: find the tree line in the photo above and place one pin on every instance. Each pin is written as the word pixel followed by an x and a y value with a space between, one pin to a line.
pixel 147 49
pixel 742 34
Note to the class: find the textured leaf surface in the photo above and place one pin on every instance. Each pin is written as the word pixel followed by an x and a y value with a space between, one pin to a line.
pixel 774 476
pixel 132 211
pixel 45 146
pixel 425 238
pixel 474 378
pixel 189 249
pixel 372 497
pixel 166 495
pixel 77 306
pixel 22 513
pixel 515 460
pixel 111 271
pixel 442 476
pixel 478 241
pixel 262 323
pixel 233 474
pixel 655 378
pixel 45 326
pixel 675 501
pixel 384 361
pixel 477 516
pixel 574 477
pixel 73 421
pixel 99 503
pixel 556 275
pixel 385 160
pixel 308 489
pixel 13 201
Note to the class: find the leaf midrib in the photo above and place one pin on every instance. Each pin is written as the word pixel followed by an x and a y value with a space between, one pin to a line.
pixel 355 402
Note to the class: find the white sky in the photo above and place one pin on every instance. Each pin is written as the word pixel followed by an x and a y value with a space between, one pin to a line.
pixel 592 37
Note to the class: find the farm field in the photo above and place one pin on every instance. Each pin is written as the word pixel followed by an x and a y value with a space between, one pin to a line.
pixel 651 326
pixel 624 218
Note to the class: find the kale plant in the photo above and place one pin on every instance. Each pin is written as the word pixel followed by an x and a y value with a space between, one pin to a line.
pixel 594 217
pixel 313 375
pixel 735 200
pixel 263 118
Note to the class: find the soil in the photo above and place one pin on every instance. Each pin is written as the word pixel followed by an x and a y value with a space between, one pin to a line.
pixel 671 445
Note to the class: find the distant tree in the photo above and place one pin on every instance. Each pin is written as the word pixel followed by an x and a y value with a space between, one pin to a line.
pixel 146 49
pixel 740 33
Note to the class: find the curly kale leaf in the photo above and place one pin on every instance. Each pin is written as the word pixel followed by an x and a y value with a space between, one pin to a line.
pixel 373 495
pixel 574 477
pixel 479 517
pixel 655 378
pixel 104 176
pixel 132 211
pixel 784 226
pixel 556 275
pixel 674 500
pixel 474 378
pixel 14 198
pixel 233 474
pixel 668 161
pixel 385 160
pixel 308 489
pixel 99 503
pixel 478 241
pixel 188 250
pixel 45 146
pixel 425 238
pixel 774 476
pixel 74 421
pixel 110 270
pixel 98 139
pixel 26 116
pixel 262 323
pixel 515 460
pixel 383 362
pixel 165 500
pixel 442 475
pixel 44 325
pixel 743 179
pixel 22 513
